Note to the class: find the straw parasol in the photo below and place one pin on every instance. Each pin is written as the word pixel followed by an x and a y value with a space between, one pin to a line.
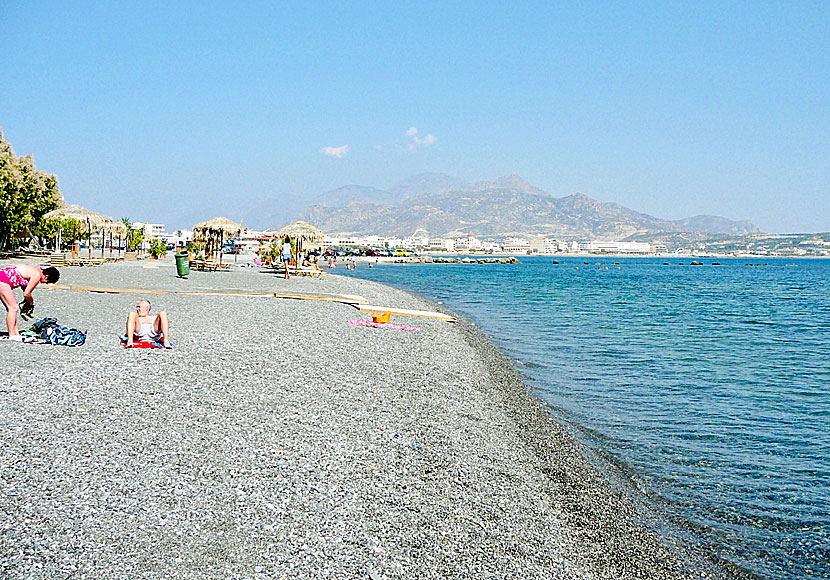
pixel 88 221
pixel 302 231
pixel 213 233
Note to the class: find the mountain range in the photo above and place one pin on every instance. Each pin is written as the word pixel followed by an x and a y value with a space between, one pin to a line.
pixel 446 206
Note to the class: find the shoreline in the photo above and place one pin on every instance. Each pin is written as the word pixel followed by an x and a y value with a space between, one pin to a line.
pixel 607 512
pixel 479 477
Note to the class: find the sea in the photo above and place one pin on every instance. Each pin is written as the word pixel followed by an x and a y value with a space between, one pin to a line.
pixel 707 385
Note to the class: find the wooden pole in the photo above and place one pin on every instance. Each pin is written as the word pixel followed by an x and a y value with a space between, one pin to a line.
pixel 235 251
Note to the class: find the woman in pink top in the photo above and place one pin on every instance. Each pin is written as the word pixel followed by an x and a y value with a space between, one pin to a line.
pixel 23 276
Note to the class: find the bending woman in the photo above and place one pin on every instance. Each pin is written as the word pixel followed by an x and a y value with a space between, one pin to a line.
pixel 23 276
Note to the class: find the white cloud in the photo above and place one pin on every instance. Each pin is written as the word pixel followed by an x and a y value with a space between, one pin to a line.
pixel 419 141
pixel 428 140
pixel 336 152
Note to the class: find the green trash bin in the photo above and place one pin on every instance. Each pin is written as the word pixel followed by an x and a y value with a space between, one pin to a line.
pixel 182 264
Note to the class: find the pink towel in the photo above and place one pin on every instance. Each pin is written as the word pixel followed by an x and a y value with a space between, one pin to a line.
pixel 383 325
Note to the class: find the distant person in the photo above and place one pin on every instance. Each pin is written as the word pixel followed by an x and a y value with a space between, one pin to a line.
pixel 311 263
pixel 142 326
pixel 286 255
pixel 27 277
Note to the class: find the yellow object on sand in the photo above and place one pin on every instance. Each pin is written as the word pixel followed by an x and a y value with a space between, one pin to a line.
pixel 381 318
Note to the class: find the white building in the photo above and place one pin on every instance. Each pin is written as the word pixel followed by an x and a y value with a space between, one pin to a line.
pixel 446 244
pixel 469 243
pixel 179 238
pixel 516 246
pixel 418 240
pixel 553 246
pixel 597 247
pixel 150 230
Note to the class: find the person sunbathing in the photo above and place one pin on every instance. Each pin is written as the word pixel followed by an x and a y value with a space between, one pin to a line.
pixel 27 277
pixel 144 327
pixel 311 263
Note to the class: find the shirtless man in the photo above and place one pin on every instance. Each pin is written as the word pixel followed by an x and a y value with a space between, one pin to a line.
pixel 142 326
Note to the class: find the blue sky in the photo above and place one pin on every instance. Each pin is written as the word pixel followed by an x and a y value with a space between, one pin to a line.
pixel 175 112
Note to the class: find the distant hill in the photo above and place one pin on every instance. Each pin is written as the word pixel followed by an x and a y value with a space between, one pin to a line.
pixel 715 224
pixel 426 183
pixel 343 196
pixel 507 206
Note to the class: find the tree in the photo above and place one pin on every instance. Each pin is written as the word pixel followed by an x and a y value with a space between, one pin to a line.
pixel 135 236
pixel 26 194
pixel 157 247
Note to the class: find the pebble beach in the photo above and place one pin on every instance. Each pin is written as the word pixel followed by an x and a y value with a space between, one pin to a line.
pixel 277 440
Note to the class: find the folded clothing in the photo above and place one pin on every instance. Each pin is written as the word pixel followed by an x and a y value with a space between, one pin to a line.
pixel 48 330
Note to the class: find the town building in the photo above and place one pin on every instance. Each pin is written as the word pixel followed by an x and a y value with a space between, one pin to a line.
pixel 151 231
pixel 598 247
pixel 516 246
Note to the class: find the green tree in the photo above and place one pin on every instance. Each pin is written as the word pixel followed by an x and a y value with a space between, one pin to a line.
pixel 157 247
pixel 47 230
pixel 26 194
pixel 134 235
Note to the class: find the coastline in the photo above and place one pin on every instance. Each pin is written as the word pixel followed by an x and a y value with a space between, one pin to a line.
pixel 456 258
pixel 278 439
pixel 620 532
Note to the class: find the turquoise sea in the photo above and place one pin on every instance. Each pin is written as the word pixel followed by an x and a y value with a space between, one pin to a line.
pixel 709 385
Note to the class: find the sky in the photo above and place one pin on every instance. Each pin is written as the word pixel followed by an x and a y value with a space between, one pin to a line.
pixel 174 112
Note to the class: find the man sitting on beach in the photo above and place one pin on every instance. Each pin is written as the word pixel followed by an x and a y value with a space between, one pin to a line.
pixel 142 326
pixel 311 263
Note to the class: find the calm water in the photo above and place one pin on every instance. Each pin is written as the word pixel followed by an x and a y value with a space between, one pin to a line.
pixel 710 384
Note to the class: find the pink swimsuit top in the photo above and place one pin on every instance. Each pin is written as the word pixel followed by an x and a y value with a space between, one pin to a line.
pixel 11 276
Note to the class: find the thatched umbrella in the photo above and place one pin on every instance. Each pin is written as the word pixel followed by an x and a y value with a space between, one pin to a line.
pixel 88 221
pixel 302 232
pixel 214 232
